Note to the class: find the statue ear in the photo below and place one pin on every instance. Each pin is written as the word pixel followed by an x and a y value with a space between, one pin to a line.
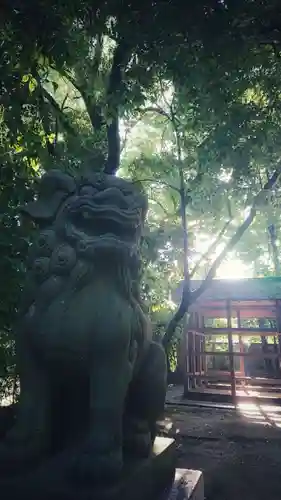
pixel 45 208
pixel 54 188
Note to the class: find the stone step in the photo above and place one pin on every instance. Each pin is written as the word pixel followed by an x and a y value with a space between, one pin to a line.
pixel 188 485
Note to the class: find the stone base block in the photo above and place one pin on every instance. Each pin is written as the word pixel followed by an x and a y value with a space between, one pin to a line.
pixel 149 479
pixel 188 485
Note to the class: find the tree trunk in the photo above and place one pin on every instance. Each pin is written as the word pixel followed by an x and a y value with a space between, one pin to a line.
pixel 275 257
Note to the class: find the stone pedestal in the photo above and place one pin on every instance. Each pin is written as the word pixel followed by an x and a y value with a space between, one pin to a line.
pixel 150 479
pixel 188 485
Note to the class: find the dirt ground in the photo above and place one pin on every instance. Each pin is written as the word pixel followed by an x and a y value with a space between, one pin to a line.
pixel 239 450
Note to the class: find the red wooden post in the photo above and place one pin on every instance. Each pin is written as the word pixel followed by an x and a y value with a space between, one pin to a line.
pixel 230 351
pixel 241 345
pixel 278 324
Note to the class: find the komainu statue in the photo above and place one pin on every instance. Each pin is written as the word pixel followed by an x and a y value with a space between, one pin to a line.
pixel 92 380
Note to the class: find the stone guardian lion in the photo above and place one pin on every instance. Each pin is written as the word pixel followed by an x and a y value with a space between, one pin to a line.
pixel 92 381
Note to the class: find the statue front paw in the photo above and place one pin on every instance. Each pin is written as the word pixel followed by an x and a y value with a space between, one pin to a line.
pixel 137 437
pixel 91 466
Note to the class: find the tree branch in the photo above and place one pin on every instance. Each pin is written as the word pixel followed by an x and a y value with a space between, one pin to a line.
pixel 128 130
pixel 189 298
pixel 168 215
pixel 93 110
pixel 158 110
pixel 211 248
pixel 164 183
pixel 45 123
pixel 63 107
pixel 155 109
pixel 236 237
pixel 61 116
pixel 114 98
pixel 179 314
pixel 186 285
pixel 274 249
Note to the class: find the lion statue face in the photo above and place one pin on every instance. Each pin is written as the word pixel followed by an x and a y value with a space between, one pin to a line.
pixel 94 213
pixel 105 215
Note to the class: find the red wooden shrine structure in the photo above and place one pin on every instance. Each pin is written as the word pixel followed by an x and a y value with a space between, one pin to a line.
pixel 231 347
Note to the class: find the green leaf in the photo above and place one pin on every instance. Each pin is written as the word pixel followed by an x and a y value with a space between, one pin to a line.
pixel 32 84
pixel 55 86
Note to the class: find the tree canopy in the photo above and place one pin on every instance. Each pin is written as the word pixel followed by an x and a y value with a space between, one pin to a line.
pixel 182 97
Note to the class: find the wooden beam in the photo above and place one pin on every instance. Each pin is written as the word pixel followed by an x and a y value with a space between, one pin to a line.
pixel 191 354
pixel 241 345
pixel 230 349
pixel 246 313
pixel 262 397
pixel 227 378
pixel 243 303
pixel 202 343
pixel 183 349
pixel 278 324
pixel 244 354
pixel 240 331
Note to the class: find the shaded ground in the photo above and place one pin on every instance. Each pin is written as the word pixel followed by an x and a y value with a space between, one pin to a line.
pixel 239 451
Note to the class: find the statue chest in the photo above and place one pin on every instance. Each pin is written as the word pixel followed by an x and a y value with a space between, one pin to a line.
pixel 73 325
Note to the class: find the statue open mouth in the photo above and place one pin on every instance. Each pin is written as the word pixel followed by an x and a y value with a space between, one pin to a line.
pixel 105 221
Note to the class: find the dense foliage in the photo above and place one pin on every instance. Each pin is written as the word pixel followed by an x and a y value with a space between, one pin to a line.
pixel 184 98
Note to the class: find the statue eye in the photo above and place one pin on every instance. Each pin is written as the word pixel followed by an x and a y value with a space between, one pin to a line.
pixel 88 191
pixel 86 215
pixel 126 192
pixel 42 241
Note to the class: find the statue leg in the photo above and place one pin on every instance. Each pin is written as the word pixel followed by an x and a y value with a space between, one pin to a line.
pixel 101 456
pixel 145 402
pixel 29 438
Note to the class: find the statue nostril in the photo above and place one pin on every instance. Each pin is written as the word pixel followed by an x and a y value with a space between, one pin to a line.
pixel 63 259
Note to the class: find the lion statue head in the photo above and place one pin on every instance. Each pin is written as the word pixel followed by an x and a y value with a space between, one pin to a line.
pixel 85 222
